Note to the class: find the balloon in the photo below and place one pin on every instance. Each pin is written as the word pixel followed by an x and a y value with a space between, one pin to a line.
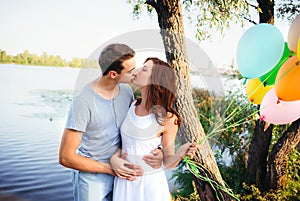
pixel 259 50
pixel 269 78
pixel 256 90
pixel 298 50
pixel 287 84
pixel 278 112
pixel 294 34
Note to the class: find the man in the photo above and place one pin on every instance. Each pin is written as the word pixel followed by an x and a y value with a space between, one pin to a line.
pixel 91 135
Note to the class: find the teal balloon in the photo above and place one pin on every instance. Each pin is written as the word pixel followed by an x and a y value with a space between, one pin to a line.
pixel 270 77
pixel 259 50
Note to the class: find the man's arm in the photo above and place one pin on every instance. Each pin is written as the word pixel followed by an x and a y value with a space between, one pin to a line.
pixel 68 156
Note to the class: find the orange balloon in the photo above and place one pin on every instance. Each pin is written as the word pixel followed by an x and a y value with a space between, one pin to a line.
pixel 287 84
pixel 256 90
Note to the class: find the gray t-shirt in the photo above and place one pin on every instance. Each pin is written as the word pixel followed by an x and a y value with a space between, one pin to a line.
pixel 100 120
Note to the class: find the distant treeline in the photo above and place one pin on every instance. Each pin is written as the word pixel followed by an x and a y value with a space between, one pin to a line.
pixel 26 58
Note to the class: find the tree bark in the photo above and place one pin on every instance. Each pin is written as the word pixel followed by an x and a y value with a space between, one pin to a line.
pixel 266 11
pixel 256 169
pixel 172 31
pixel 279 156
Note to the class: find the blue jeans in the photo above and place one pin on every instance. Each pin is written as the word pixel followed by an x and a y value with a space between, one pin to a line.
pixel 92 186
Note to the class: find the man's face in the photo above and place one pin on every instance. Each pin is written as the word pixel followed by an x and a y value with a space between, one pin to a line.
pixel 127 74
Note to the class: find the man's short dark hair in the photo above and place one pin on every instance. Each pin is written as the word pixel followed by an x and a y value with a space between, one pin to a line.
pixel 112 57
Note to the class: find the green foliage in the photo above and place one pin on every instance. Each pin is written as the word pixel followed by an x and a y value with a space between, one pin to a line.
pixel 290 190
pixel 292 187
pixel 232 174
pixel 183 179
pixel 276 134
pixel 138 6
pixel 206 17
pixel 76 62
pixel 229 120
pixel 26 58
pixel 190 197
pixel 214 15
pixel 234 139
pixel 203 103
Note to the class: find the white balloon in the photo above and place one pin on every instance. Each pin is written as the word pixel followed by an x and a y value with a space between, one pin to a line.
pixel 294 34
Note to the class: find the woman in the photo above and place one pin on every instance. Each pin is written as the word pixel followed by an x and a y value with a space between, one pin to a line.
pixel 150 122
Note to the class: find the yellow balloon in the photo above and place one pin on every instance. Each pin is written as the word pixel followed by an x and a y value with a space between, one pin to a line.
pixel 256 90
pixel 298 50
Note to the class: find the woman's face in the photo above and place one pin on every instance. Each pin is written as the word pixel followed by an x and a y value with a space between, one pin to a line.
pixel 143 75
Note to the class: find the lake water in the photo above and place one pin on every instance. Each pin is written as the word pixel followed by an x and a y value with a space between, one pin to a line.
pixel 34 102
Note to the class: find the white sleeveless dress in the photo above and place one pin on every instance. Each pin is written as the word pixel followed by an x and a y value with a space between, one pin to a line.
pixel 139 138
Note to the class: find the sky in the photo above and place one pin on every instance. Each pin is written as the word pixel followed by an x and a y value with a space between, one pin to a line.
pixel 75 28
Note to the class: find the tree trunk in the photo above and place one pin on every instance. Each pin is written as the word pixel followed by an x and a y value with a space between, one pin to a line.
pixel 266 11
pixel 172 31
pixel 256 167
pixel 258 154
pixel 279 156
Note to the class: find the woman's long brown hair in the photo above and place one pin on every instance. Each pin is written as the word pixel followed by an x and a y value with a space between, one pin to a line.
pixel 161 91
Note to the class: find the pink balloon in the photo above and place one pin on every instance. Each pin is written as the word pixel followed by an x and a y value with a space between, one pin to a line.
pixel 278 112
